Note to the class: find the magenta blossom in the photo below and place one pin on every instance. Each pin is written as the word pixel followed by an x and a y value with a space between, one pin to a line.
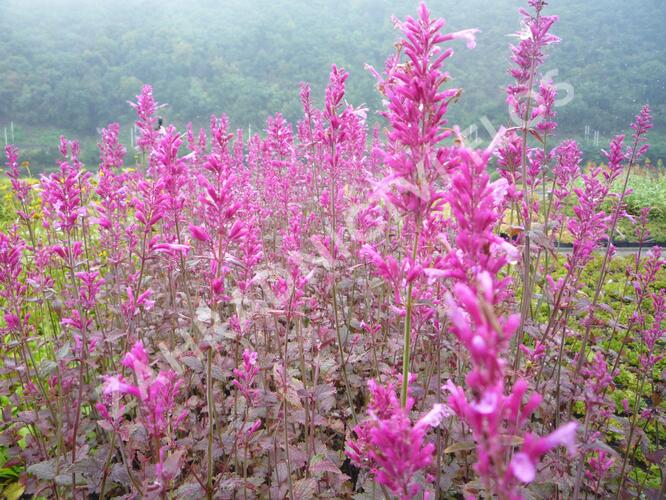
pixel 145 107
pixel 416 109
pixel 244 377
pixel 390 445
pixel 156 392
pixel 524 463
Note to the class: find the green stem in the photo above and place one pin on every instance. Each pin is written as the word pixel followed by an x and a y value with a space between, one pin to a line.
pixel 408 327
pixel 211 411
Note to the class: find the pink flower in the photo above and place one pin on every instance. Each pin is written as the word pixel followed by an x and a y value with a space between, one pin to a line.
pixel 544 110
pixel 131 306
pixel 171 248
pixel 641 126
pixel 137 359
pixel 416 109
pixel 534 354
pixel 389 444
pixel 92 283
pixel 199 232
pixel 156 392
pixel 20 187
pixel 111 152
pixel 528 54
pixel 64 190
pixel 145 107
pixel 475 266
pixel 524 463
pixel 116 384
pixel 600 463
pixel 244 377
pixel 78 343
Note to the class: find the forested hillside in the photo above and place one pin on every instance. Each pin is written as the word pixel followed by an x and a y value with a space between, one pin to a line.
pixel 73 65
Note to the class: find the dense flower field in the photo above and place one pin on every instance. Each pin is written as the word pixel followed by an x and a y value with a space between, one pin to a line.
pixel 328 311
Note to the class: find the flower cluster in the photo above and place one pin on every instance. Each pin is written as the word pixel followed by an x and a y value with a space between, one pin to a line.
pixel 145 107
pixel 475 264
pixel 244 377
pixel 416 110
pixel 156 393
pixel 390 445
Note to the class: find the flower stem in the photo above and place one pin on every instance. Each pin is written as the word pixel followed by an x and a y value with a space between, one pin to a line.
pixel 408 327
pixel 211 411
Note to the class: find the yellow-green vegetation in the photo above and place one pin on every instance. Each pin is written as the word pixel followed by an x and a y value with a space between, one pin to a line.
pixel 648 189
pixel 648 185
pixel 615 310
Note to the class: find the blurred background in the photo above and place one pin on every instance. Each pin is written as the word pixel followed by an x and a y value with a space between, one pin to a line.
pixel 70 66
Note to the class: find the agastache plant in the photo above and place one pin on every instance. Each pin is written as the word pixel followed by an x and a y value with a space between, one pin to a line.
pixel 146 107
pixel 475 264
pixel 416 114
pixel 21 188
pixel 532 112
pixel 616 157
pixel 156 395
pixel 155 392
pixel 327 309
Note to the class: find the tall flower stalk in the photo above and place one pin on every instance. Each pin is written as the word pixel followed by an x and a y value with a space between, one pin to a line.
pixel 475 265
pixel 416 111
pixel 616 157
pixel 528 55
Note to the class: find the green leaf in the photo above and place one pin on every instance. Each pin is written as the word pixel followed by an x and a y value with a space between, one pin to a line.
pixel 14 491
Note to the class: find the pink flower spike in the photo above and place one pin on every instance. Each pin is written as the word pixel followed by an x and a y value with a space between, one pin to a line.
pixel 116 384
pixel 137 358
